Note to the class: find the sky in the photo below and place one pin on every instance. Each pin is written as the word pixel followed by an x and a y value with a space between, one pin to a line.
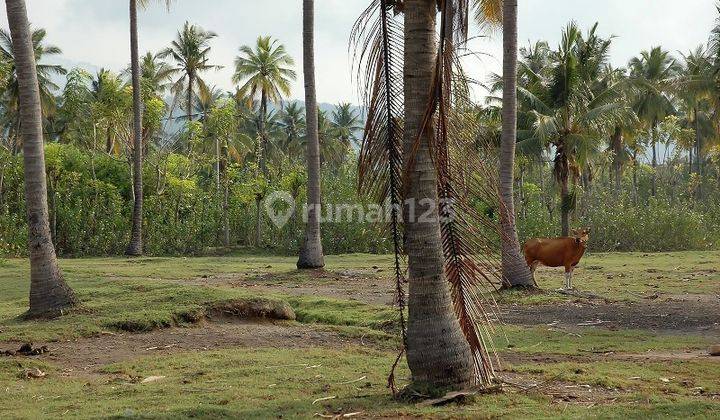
pixel 94 33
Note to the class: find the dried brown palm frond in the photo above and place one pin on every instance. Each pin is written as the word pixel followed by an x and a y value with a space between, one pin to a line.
pixel 464 178
pixel 465 168
pixel 378 40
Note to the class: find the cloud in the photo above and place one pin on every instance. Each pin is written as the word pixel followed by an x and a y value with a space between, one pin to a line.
pixel 94 33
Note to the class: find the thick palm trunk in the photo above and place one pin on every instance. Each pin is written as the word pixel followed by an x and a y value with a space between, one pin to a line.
pixel 135 248
pixel 515 271
pixel 564 210
pixel 49 294
pixel 311 252
pixel 617 150
pixel 438 354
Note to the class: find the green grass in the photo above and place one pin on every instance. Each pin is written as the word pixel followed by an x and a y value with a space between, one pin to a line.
pixel 536 340
pixel 148 293
pixel 681 377
pixel 264 383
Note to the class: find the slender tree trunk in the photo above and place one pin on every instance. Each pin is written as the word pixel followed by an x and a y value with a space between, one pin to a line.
pixel 217 163
pixel 515 271
pixel 49 294
pixel 109 143
pixel 2 184
pixel 654 157
pixel 634 179
pixel 263 134
pixel 617 165
pixel 189 99
pixel 438 354
pixel 262 162
pixel 698 155
pixel 311 252
pixel 564 211
pixel 258 219
pixel 226 196
pixel 135 248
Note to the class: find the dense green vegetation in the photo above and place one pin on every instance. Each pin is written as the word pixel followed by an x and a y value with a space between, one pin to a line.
pixel 254 144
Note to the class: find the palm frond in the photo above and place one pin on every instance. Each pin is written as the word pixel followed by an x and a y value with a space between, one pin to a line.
pixel 467 235
pixel 378 41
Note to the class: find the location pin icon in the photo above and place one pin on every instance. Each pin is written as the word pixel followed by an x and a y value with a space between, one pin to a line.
pixel 272 201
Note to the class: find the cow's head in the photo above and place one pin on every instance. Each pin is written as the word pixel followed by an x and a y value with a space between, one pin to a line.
pixel 581 235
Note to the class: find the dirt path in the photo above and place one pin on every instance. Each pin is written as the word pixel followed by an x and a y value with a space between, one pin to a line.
pixel 674 314
pixel 667 317
pixel 86 355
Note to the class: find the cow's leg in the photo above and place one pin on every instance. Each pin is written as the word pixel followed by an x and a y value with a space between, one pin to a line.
pixel 568 278
pixel 533 267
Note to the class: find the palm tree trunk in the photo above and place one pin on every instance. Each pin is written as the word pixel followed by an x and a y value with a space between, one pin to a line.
pixel 135 248
pixel 698 155
pixel 515 271
pixel 189 99
pixel 263 134
pixel 217 163
pixel 617 166
pixel 437 353
pixel 634 179
pixel 49 294
pixel 226 196
pixel 654 157
pixel 262 161
pixel 564 209
pixel 311 252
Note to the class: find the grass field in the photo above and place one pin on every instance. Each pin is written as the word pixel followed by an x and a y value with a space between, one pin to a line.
pixel 149 341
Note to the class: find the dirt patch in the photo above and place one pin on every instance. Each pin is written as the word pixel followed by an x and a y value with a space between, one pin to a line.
pixel 516 358
pixel 356 285
pixel 669 316
pixel 252 309
pixel 85 356
pixel 696 313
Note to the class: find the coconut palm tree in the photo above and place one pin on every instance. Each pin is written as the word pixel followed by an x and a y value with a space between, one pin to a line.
pixel 155 74
pixel 696 90
pixel 263 71
pixel 45 73
pixel 570 116
pixel 190 51
pixel 652 74
pixel 135 247
pixel 292 121
pixel 110 106
pixel 49 294
pixel 515 270
pixel 346 124
pixel 311 252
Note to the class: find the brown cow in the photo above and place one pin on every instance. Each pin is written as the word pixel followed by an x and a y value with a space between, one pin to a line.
pixel 557 252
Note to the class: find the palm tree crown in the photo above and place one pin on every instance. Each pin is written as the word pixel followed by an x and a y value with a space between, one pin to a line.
pixel 190 51
pixel 45 72
pixel 264 69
